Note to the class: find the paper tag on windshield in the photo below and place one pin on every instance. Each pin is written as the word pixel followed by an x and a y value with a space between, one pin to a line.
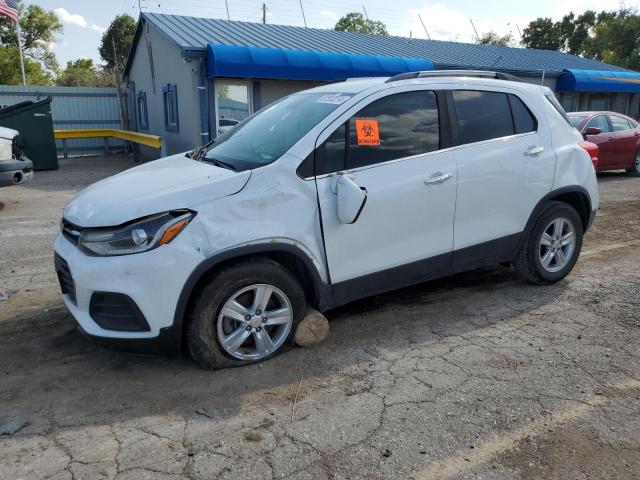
pixel 333 99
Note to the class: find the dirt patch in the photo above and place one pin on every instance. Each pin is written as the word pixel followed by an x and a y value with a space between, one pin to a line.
pixel 572 453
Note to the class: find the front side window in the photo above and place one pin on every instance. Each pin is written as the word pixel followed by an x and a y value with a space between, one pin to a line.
pixel 265 136
pixel 576 120
pixel 618 123
pixel 397 126
pixel 170 96
pixel 600 122
pixel 482 115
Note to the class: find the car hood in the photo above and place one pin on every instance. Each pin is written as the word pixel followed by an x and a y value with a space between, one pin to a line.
pixel 8 133
pixel 170 183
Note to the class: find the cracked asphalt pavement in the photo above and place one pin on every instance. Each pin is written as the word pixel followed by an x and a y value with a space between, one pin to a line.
pixel 479 375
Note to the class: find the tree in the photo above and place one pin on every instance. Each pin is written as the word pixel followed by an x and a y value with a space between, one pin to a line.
pixel 575 30
pixel 541 33
pixel 83 73
pixel 10 69
pixel 492 38
pixel 38 29
pixel 120 32
pixel 357 23
pixel 616 39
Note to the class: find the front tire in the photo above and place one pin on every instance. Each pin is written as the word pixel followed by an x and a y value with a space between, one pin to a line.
pixel 247 313
pixel 551 244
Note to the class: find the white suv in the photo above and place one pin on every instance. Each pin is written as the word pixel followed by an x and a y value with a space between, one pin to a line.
pixel 326 196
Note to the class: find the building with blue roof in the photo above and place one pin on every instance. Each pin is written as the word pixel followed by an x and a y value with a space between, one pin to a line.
pixel 192 76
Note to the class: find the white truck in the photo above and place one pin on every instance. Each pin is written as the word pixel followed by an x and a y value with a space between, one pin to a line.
pixel 15 167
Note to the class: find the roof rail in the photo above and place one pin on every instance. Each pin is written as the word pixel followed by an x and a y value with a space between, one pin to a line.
pixel 454 73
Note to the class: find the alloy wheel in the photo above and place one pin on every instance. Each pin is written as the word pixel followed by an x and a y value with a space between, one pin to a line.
pixel 557 245
pixel 254 322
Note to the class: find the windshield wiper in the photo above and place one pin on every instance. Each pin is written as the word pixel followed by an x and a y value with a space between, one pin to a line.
pixel 220 163
pixel 196 153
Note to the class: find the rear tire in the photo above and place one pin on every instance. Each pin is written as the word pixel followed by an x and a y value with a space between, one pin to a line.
pixel 227 327
pixel 635 168
pixel 551 244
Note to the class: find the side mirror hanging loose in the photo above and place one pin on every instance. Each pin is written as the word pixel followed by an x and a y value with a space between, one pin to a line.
pixel 351 199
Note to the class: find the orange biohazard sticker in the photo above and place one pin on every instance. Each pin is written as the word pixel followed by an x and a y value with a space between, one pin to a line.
pixel 368 133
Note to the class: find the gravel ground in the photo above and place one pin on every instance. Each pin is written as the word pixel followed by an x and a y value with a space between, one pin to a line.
pixel 475 376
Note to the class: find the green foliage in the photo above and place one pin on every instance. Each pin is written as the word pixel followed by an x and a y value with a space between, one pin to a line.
pixel 616 39
pixel 575 30
pixel 541 33
pixel 120 32
pixel 38 29
pixel 357 23
pixel 492 38
pixel 612 37
pixel 83 73
pixel 10 69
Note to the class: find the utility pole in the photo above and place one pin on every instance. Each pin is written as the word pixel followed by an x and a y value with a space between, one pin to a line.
pixel 124 121
pixel 303 17
pixel 365 13
pixel 264 13
pixel 227 5
pixel 24 77
pixel 425 28
pixel 474 29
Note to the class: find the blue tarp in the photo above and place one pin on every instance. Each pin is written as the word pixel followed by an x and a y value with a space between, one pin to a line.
pixel 284 64
pixel 598 81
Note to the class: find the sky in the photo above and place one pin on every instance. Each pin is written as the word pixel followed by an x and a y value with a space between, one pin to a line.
pixel 85 20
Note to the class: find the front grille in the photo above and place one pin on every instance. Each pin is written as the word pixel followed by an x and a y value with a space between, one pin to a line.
pixel 117 311
pixel 67 285
pixel 70 231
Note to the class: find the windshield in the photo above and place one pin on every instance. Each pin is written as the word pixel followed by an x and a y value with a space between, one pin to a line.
pixel 265 136
pixel 576 120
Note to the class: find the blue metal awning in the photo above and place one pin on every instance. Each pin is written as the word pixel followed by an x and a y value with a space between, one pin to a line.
pixel 598 81
pixel 284 64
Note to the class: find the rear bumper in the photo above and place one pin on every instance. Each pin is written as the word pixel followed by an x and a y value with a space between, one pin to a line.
pixel 15 172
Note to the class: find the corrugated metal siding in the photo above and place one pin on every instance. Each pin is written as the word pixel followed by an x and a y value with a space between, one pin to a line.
pixel 73 108
pixel 193 33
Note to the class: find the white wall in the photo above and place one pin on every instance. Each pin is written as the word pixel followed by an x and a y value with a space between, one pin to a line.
pixel 272 90
pixel 169 67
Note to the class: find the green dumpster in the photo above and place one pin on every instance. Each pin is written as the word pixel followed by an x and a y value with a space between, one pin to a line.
pixel 33 121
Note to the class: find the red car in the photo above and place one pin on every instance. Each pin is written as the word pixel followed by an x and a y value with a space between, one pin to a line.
pixel 617 136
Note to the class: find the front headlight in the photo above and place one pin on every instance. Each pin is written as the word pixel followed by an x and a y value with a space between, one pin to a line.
pixel 136 237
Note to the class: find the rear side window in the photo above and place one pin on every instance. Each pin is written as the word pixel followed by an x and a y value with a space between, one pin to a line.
pixel 523 119
pixel 618 123
pixel 599 122
pixel 482 115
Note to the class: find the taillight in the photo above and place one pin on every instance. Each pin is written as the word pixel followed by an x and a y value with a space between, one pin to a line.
pixel 592 149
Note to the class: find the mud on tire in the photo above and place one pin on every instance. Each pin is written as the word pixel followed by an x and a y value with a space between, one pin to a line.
pixel 202 337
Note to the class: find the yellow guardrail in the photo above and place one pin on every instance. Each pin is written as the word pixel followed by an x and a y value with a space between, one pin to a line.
pixel 153 141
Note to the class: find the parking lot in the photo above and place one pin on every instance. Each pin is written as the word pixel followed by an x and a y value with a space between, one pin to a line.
pixel 480 375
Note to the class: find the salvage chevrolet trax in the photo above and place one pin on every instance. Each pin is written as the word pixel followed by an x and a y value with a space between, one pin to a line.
pixel 326 196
